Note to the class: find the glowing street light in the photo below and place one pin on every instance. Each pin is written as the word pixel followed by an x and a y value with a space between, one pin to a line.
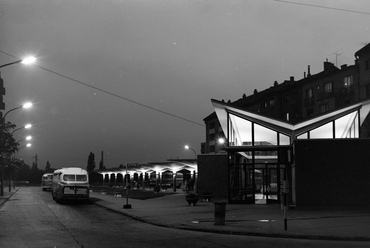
pixel 25 61
pixel 27 126
pixel 26 105
pixel 189 148
pixel 28 60
pixel 221 141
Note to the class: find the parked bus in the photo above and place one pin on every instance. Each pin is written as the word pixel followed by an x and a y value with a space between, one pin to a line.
pixel 47 181
pixel 70 184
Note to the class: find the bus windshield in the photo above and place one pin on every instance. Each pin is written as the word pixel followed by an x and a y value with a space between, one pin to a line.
pixel 74 178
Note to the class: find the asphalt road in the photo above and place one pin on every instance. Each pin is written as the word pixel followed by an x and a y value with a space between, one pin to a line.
pixel 32 219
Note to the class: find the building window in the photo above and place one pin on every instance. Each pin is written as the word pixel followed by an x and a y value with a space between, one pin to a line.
pixel 309 95
pixel 367 64
pixel 328 87
pixel 324 108
pixel 348 81
pixel 272 102
pixel 287 116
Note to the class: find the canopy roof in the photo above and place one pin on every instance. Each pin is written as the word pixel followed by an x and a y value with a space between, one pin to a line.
pixel 247 127
pixel 173 166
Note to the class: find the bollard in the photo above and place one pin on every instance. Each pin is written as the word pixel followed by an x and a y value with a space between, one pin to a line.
pixel 220 208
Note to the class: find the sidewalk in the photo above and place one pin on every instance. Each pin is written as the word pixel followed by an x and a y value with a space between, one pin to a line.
pixel 7 194
pixel 255 220
pixel 258 220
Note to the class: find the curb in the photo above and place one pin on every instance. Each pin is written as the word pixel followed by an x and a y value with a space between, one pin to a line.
pixel 8 197
pixel 239 233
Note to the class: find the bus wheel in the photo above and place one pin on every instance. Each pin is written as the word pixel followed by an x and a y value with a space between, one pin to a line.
pixel 58 199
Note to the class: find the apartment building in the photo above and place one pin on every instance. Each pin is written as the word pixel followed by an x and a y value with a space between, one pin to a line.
pixel 294 101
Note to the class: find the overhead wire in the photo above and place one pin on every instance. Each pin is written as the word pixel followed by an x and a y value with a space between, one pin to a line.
pixel 112 94
pixel 324 7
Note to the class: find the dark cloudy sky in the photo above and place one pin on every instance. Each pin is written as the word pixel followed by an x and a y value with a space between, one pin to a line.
pixel 134 78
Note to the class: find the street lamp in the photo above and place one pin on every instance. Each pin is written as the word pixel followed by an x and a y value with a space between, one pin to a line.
pixel 26 105
pixel 25 61
pixel 27 126
pixel 189 148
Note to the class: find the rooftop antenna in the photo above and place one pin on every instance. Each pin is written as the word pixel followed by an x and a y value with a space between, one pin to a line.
pixel 336 58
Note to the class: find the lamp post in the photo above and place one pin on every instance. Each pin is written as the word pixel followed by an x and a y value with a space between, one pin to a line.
pixel 26 105
pixel 189 148
pixel 26 61
pixel 18 165
pixel 126 206
pixel 27 126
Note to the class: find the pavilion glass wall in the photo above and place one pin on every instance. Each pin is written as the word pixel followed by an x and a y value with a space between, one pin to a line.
pixel 343 127
pixel 245 183
pixel 255 176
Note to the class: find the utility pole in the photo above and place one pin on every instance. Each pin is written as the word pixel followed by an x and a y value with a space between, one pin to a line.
pixel 36 161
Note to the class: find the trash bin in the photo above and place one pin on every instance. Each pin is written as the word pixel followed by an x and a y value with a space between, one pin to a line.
pixel 220 208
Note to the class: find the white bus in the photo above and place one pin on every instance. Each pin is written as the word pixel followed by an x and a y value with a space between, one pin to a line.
pixel 70 183
pixel 47 181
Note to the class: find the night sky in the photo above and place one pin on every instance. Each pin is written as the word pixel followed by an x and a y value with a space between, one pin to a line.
pixel 135 78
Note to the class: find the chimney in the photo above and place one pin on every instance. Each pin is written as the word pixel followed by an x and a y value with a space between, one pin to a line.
pixel 308 72
pixel 291 79
pixel 327 66
pixel 344 66
pixel 304 74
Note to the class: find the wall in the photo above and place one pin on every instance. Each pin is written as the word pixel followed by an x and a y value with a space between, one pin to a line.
pixel 332 172
pixel 213 175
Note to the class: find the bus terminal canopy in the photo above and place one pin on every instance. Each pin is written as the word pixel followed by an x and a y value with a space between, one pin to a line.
pixel 174 166
pixel 244 128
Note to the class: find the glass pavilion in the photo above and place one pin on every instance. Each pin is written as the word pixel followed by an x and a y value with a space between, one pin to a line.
pixel 261 149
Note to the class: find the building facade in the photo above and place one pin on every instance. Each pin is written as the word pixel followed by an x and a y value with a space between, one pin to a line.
pixel 305 139
pixel 295 101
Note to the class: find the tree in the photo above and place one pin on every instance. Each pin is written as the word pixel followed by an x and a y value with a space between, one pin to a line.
pixel 35 174
pixel 91 162
pixel 48 168
pixel 101 166
pixel 24 172
pixel 8 146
